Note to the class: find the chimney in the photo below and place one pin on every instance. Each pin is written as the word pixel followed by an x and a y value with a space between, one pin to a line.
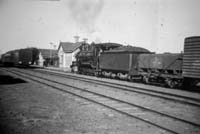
pixel 85 40
pixel 76 38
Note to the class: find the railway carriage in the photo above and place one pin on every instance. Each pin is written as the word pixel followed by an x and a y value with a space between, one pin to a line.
pixel 7 59
pixel 24 57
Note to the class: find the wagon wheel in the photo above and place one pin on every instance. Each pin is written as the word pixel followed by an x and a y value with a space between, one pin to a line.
pixel 96 73
pixel 171 83
pixel 146 79
pixel 129 78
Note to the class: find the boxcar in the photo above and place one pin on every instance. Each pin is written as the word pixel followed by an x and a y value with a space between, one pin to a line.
pixel 25 56
pixel 191 61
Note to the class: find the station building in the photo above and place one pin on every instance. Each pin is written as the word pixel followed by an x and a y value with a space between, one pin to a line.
pixel 67 53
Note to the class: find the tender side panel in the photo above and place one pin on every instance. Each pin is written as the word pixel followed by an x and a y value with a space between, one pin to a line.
pixel 160 61
pixel 114 61
pixel 191 58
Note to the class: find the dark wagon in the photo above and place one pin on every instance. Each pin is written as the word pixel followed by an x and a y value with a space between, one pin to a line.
pixel 191 61
pixel 7 59
pixel 163 68
pixel 121 62
pixel 24 57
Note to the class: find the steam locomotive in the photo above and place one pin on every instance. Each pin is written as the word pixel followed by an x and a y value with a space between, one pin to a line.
pixel 20 57
pixel 136 63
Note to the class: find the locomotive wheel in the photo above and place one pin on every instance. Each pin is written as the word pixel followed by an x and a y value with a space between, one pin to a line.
pixel 113 75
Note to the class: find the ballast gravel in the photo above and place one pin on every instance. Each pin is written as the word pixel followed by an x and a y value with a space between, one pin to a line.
pixel 27 107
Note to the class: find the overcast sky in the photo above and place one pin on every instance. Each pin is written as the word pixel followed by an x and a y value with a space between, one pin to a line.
pixel 158 25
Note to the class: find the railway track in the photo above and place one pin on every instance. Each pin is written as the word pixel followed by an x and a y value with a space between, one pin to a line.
pixel 164 95
pixel 152 117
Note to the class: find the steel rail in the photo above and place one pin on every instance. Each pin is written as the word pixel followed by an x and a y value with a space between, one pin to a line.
pixel 124 87
pixel 134 105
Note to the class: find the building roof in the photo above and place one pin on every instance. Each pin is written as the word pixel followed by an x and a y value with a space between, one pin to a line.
pixel 47 53
pixel 69 47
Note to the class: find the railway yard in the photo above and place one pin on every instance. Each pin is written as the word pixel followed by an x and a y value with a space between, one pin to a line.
pixel 133 67
pixel 49 101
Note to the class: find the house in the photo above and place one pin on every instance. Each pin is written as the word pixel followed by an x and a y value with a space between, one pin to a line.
pixel 67 53
pixel 48 57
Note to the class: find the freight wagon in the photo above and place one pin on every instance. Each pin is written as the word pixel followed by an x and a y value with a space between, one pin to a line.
pixel 23 57
pixel 161 68
pixel 191 61
pixel 7 59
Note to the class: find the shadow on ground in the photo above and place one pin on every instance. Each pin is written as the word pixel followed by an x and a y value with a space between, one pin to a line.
pixel 7 79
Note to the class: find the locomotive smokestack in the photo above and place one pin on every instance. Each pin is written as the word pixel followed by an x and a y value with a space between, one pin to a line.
pixel 85 40
pixel 76 38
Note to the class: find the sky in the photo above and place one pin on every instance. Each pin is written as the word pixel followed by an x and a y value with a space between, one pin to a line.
pixel 157 25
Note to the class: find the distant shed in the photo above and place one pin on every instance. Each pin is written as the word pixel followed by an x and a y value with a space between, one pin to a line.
pixel 48 57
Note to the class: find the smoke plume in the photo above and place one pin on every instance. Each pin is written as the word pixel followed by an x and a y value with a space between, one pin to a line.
pixel 85 13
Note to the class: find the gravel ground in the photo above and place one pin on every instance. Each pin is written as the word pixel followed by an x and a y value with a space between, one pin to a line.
pixel 183 111
pixel 156 88
pixel 31 108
